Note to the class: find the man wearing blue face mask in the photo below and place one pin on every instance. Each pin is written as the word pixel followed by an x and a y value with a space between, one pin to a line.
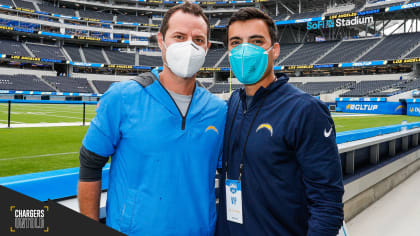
pixel 281 170
pixel 164 134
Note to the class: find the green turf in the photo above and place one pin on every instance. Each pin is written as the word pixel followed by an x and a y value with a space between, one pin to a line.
pixel 353 123
pixel 45 113
pixel 18 146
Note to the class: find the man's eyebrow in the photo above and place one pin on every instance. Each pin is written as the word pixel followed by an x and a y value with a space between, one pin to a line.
pixel 178 32
pixel 234 38
pixel 256 36
pixel 200 35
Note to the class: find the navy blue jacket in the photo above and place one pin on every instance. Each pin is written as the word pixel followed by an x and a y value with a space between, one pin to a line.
pixel 292 181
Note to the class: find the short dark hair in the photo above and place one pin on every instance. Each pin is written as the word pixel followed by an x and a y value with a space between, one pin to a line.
pixel 250 13
pixel 186 7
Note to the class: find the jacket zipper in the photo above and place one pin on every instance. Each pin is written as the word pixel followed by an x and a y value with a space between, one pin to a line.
pixel 184 118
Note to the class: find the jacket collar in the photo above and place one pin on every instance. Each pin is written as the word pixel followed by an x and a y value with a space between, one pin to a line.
pixel 261 92
pixel 158 92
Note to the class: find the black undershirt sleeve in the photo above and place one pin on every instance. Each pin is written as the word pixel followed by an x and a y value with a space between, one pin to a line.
pixel 91 165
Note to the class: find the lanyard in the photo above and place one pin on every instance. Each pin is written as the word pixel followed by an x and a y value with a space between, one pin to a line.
pixel 241 166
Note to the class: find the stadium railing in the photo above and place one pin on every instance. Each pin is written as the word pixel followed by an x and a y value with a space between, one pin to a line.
pixel 10 102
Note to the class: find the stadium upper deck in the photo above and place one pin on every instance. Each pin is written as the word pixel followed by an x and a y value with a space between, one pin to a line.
pixel 89 34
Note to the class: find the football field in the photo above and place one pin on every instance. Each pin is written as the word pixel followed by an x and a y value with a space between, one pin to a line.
pixel 28 150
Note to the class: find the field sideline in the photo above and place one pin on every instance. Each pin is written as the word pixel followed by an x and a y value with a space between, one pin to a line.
pixel 28 150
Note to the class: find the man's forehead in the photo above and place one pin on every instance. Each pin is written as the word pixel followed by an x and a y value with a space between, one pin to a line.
pixel 187 23
pixel 249 28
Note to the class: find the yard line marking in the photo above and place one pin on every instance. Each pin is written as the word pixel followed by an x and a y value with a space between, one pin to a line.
pixel 16 122
pixel 34 125
pixel 44 114
pixel 44 155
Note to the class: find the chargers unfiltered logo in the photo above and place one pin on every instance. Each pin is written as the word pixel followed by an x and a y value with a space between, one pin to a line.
pixel 29 220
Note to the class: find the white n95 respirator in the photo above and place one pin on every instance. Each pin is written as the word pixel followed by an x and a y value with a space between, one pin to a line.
pixel 185 59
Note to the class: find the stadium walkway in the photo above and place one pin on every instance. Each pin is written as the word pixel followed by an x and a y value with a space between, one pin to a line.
pixel 395 214
pixel 28 125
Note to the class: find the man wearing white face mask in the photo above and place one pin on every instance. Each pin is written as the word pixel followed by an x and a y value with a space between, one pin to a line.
pixel 164 134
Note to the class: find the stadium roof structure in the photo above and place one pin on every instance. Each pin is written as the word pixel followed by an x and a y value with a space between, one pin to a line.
pixel 301 6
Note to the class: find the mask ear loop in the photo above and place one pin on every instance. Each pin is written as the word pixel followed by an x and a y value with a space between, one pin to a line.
pixel 230 78
pixel 166 48
pixel 266 51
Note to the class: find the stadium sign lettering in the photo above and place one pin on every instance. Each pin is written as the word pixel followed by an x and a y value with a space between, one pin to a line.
pixel 88 38
pixel 345 15
pixel 326 24
pixel 355 21
pixel 90 19
pixel 26 10
pixel 359 107
pixel 300 67
pixel 120 66
pixel 209 69
pixel 411 60
pixel 415 110
pixel 25 58
pixel 6 27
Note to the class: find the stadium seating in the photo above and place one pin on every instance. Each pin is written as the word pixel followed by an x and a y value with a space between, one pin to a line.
pixel 225 62
pixel 44 51
pixel 24 4
pixel 366 88
pixel 305 15
pixel 94 54
pixel 117 57
pixel 224 21
pixel 384 5
pixel 13 48
pixel 403 86
pixel 46 7
pixel 69 84
pixel 317 88
pixel 341 9
pixel 150 60
pixel 307 54
pixel 6 2
pixel 279 17
pixel 285 50
pixel 96 15
pixel 73 53
pixel 348 51
pixel 415 53
pixel 213 56
pixel 400 44
pixel 213 20
pixel 224 87
pixel 23 83
pixel 102 86
pixel 135 19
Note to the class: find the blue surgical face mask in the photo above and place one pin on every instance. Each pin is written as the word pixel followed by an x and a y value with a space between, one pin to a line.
pixel 248 62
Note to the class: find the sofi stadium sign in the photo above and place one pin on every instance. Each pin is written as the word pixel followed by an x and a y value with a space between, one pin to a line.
pixel 340 22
